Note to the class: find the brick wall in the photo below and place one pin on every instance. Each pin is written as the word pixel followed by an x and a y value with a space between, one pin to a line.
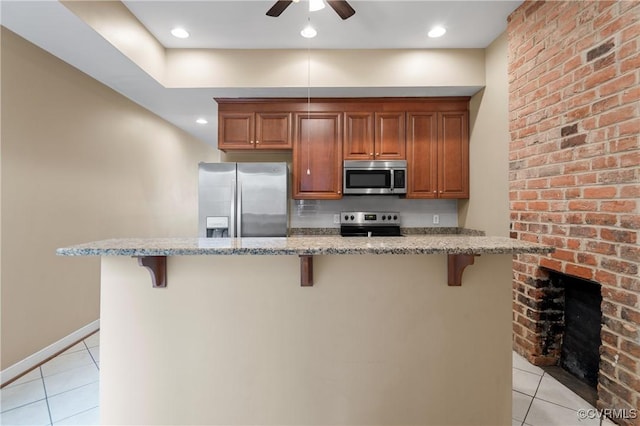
pixel 574 105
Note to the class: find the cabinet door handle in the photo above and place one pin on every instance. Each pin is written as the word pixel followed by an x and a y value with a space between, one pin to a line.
pixel 257 142
pixel 371 154
pixel 377 154
pixel 251 142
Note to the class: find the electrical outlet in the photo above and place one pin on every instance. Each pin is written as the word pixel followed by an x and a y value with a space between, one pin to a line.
pixel 436 219
pixel 336 218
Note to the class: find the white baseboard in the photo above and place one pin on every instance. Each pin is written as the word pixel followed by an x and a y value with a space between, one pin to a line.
pixel 42 355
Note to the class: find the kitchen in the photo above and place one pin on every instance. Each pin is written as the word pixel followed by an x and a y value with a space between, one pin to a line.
pixel 143 188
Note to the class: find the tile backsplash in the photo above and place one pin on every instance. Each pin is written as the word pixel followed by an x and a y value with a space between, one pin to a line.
pixel 414 213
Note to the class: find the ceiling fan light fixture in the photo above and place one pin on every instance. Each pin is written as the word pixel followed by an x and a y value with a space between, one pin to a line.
pixel 437 31
pixel 179 33
pixel 308 32
pixel 315 5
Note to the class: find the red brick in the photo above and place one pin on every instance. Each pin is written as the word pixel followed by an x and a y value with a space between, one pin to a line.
pixel 619 236
pixel 583 231
pixel 631 348
pixel 528 195
pixel 601 247
pixel 600 77
pixel 563 255
pixel 600 192
pixel 552 264
pixel 630 64
pixel 577 166
pixel 587 259
pixel 564 180
pixel 630 221
pixel 619 296
pixel 630 315
pixel 582 205
pixel 605 162
pixel 616 85
pixel 574 218
pixel 630 191
pixel 606 278
pixel 619 267
pixel 551 194
pixel 537 183
pixel 579 271
pixel 630 253
pixel 618 115
pixel 574 243
pixel 538 205
pixel 629 128
pixel 602 219
pixel 630 160
pixel 618 176
pixel 618 206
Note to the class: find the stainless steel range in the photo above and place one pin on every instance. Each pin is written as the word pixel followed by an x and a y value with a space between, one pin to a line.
pixel 370 224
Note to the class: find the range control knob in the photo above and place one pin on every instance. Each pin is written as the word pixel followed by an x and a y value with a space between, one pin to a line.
pixel 383 217
pixel 352 217
pixel 395 217
pixel 346 217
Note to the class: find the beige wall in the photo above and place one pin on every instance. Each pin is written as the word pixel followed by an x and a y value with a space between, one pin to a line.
pixel 488 206
pixel 197 68
pixel 79 162
pixel 236 340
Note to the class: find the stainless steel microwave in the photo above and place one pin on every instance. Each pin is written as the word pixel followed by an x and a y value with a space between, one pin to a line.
pixel 374 177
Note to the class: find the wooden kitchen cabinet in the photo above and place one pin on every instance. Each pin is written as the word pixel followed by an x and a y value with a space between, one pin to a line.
pixel 438 154
pixel 317 155
pixel 365 141
pixel 254 130
pixel 390 136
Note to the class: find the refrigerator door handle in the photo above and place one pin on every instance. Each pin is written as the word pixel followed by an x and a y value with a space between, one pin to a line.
pixel 239 212
pixel 232 229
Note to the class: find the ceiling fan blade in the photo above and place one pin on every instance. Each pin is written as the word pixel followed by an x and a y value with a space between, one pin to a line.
pixel 342 8
pixel 278 7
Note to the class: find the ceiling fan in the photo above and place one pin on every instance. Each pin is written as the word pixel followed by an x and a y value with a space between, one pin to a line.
pixel 342 8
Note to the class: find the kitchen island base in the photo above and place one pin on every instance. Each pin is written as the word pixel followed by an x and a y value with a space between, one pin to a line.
pixel 235 340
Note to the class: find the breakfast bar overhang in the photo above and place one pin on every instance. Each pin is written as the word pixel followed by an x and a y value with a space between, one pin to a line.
pixel 234 339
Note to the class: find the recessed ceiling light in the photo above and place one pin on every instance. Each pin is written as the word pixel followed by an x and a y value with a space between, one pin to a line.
pixel 201 121
pixel 308 32
pixel 437 31
pixel 180 33
pixel 315 5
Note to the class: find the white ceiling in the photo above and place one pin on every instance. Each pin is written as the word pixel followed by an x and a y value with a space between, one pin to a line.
pixel 243 24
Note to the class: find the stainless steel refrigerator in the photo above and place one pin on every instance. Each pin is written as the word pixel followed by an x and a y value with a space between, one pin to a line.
pixel 242 200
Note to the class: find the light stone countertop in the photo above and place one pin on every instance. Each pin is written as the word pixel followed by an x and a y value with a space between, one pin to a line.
pixel 305 245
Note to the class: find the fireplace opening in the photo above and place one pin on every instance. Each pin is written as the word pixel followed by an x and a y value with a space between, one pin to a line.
pixel 580 351
pixel 579 333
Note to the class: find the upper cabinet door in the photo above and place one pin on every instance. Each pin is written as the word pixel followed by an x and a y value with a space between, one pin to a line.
pixel 235 130
pixel 389 136
pixel 317 155
pixel 358 136
pixel 422 154
pixel 453 150
pixel 273 130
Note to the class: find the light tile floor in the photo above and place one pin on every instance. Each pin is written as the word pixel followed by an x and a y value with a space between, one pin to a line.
pixel 64 391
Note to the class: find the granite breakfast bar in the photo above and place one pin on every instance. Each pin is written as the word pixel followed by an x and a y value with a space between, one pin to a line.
pixel 233 338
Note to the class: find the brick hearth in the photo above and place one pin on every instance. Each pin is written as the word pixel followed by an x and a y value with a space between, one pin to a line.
pixel 574 105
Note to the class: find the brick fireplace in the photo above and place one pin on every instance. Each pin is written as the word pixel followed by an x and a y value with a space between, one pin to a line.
pixel 574 105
